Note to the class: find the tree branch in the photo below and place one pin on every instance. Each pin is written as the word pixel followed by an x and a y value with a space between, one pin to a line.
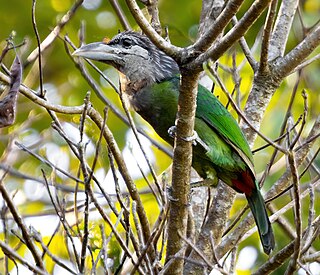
pixel 282 28
pixel 54 33
pixel 143 23
pixel 182 158
pixel 27 238
pixel 215 51
pixel 278 259
pixel 122 18
pixel 215 29
pixel 285 65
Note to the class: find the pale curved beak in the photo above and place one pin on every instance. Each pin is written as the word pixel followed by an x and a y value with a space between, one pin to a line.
pixel 99 51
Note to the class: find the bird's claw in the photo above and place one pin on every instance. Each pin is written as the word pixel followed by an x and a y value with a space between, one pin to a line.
pixel 172 131
pixel 169 191
pixel 172 199
pixel 194 138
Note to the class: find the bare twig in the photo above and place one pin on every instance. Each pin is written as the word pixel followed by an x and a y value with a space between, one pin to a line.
pixel 263 66
pixel 160 42
pixel 94 115
pixel 296 255
pixel 122 17
pixel 55 32
pixel 87 179
pixel 13 254
pixel 35 28
pixel 233 35
pixel 24 230
pixel 278 259
pixel 69 232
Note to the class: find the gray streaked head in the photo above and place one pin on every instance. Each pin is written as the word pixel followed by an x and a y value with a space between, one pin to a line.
pixel 134 55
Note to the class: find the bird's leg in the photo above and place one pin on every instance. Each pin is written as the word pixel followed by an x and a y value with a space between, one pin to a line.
pixel 194 138
pixel 173 130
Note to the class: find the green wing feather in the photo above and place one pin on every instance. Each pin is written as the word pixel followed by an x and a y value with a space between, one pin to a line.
pixel 215 115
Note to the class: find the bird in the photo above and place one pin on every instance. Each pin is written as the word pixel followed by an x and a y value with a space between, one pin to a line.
pixel 220 150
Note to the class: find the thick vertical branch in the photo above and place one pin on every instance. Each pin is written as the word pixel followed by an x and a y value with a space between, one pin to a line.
pixel 261 92
pixel 177 222
pixel 282 28
pixel 209 12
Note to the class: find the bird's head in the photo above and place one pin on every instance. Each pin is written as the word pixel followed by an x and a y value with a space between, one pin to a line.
pixel 134 55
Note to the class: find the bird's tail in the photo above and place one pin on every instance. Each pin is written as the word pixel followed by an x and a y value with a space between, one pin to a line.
pixel 258 208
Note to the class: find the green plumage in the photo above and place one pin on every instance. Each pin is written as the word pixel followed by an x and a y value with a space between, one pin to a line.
pixel 220 152
pixel 229 157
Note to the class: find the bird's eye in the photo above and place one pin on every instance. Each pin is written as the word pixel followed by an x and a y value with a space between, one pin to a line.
pixel 127 43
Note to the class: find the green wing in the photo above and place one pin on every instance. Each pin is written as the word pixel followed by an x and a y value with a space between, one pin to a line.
pixel 215 115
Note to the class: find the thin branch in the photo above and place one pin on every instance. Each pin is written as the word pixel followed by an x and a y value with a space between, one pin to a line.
pixel 55 32
pixel 211 34
pixel 306 63
pixel 34 25
pixel 95 116
pixel 198 251
pixel 263 66
pixel 121 15
pixel 307 240
pixel 245 48
pixel 297 207
pixel 47 162
pixel 59 212
pixel 7 250
pixel 87 179
pixel 282 67
pixel 160 42
pixel 113 228
pixel 32 95
pixel 216 51
pixel 54 258
pixel 153 11
pixel 18 219
pixel 277 260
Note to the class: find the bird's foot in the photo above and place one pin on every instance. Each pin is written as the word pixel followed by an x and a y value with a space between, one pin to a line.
pixel 172 131
pixel 171 198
